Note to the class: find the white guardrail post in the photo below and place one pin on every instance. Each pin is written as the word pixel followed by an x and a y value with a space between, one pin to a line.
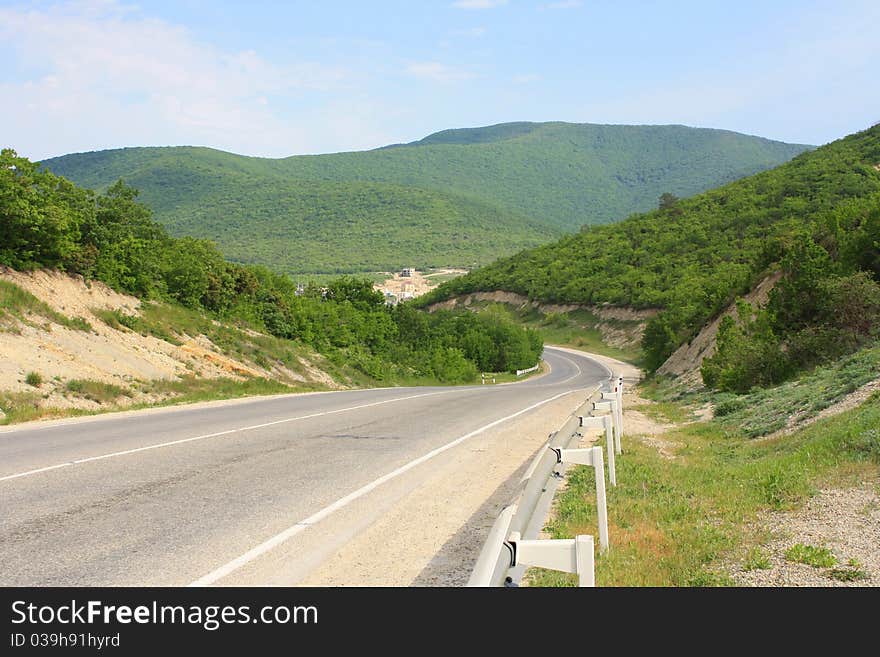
pixel 505 548
pixel 604 422
pixel 620 406
pixel 506 553
pixel 592 456
pixel 568 555
pixel 610 403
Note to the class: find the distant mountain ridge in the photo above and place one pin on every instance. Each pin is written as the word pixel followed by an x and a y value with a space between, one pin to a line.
pixel 457 197
pixel 691 258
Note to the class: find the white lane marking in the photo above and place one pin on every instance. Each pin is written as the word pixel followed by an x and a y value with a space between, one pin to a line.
pixel 302 525
pixel 584 354
pixel 214 435
pixel 577 374
pixel 558 383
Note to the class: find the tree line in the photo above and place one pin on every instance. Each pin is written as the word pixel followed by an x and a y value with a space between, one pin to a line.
pixel 817 218
pixel 47 221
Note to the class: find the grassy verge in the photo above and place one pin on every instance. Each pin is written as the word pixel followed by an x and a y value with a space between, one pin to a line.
pixel 25 406
pixel 664 412
pixel 21 304
pixel 510 377
pixel 765 410
pixel 672 522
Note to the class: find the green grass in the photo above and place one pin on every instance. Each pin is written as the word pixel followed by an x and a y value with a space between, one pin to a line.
pixel 34 379
pixel 674 522
pixel 664 412
pixel 172 323
pixel 757 559
pixel 191 389
pixel 25 406
pixel 21 304
pixel 511 377
pixel 460 197
pixel 852 572
pixel 766 410
pixel 97 391
pixel 811 555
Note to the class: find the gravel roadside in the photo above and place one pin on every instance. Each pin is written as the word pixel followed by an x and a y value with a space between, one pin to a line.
pixel 846 522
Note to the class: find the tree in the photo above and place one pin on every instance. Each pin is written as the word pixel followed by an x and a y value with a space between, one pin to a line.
pixel 40 214
pixel 667 201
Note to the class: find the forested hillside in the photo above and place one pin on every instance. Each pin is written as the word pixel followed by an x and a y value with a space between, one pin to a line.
pixel 458 197
pixel 816 217
pixel 47 221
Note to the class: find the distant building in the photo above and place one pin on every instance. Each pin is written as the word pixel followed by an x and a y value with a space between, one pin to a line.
pixel 407 272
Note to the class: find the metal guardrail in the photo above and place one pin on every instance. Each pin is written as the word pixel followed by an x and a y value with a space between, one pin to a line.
pixel 526 371
pixel 511 545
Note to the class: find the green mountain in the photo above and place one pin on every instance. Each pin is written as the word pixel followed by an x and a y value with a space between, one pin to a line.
pixel 48 222
pixel 457 197
pixel 816 217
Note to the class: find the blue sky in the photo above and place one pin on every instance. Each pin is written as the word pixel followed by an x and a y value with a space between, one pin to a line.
pixel 285 78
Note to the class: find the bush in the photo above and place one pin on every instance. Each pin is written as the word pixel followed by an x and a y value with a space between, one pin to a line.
pixel 748 353
pixel 34 379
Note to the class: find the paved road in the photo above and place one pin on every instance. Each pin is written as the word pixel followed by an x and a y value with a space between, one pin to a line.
pixel 218 494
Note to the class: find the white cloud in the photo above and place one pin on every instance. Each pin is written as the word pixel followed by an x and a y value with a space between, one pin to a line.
pixel 478 4
pixel 437 72
pixel 563 4
pixel 110 76
pixel 474 32
pixel 525 78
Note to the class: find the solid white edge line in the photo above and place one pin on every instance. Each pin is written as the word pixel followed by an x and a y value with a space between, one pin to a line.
pixel 577 374
pixel 101 457
pixel 302 525
pixel 583 354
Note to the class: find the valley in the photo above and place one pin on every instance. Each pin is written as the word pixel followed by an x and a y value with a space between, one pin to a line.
pixel 458 198
pixel 750 311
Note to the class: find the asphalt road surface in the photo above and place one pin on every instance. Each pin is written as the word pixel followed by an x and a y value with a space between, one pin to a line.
pixel 247 492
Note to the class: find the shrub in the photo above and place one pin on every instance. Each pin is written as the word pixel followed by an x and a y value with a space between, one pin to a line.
pixel 818 557
pixel 34 379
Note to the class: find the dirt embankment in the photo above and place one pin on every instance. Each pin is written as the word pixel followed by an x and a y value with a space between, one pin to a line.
pixel 620 326
pixel 38 345
pixel 686 361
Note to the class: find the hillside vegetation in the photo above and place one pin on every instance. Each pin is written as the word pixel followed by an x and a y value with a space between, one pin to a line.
pixel 691 514
pixel 817 217
pixel 47 221
pixel 456 198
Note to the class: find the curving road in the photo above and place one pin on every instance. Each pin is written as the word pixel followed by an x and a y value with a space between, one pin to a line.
pixel 246 492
